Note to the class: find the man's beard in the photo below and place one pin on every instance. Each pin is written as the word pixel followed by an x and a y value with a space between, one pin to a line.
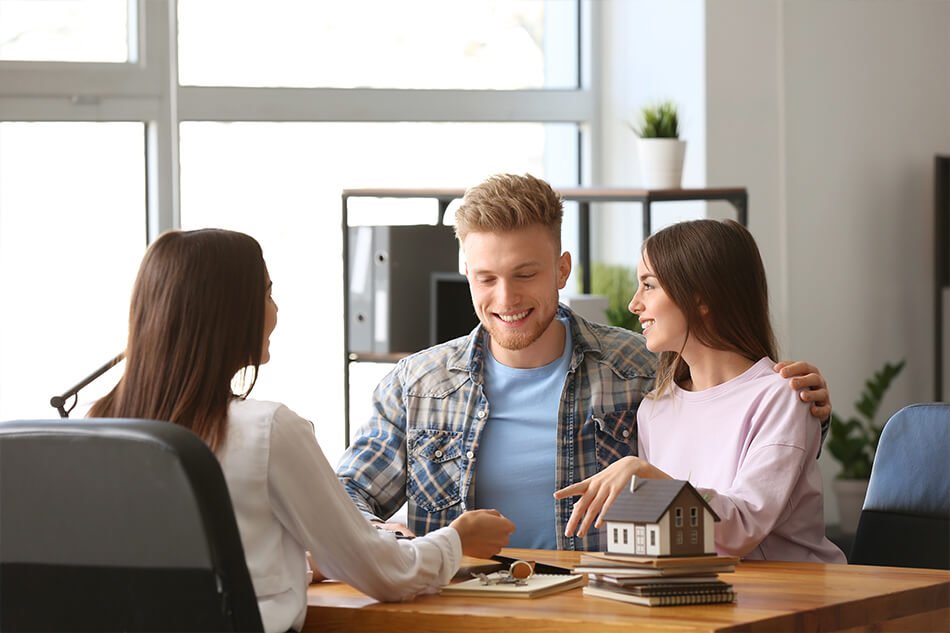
pixel 516 341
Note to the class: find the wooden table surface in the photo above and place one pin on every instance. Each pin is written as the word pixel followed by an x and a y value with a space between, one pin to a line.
pixel 771 596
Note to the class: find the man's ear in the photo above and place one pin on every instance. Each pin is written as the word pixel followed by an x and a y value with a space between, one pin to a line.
pixel 563 269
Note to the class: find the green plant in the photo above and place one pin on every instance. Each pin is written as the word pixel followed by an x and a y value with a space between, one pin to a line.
pixel 618 283
pixel 853 442
pixel 658 121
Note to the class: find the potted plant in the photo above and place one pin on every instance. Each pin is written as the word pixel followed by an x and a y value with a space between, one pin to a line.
pixel 853 443
pixel 618 283
pixel 660 148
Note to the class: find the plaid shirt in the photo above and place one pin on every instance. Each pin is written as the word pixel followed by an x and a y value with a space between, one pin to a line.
pixel 429 411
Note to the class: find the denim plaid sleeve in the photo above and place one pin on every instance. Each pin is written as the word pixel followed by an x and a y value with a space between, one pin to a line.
pixel 613 372
pixel 373 469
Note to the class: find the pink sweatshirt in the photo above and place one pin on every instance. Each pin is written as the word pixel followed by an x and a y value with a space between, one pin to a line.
pixel 749 446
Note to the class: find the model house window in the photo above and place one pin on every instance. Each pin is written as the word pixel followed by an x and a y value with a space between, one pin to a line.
pixel 693 517
pixel 625 536
pixel 678 517
pixel 616 535
pixel 652 538
pixel 693 537
pixel 679 537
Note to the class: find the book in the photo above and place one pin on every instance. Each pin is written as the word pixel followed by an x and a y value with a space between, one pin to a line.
pixel 536 586
pixel 648 572
pixel 624 581
pixel 665 589
pixel 606 559
pixel 663 600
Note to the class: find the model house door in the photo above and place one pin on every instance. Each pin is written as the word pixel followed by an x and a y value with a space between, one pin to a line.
pixel 640 539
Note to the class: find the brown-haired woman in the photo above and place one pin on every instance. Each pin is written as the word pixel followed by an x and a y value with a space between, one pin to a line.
pixel 720 416
pixel 201 312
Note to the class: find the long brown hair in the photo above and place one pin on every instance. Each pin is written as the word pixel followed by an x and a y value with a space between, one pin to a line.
pixel 196 319
pixel 716 264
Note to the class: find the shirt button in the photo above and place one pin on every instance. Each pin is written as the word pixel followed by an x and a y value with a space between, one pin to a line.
pixel 470 454
pixel 626 433
pixel 438 453
pixel 481 414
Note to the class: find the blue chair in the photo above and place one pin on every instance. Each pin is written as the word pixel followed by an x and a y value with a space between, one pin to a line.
pixel 117 525
pixel 905 521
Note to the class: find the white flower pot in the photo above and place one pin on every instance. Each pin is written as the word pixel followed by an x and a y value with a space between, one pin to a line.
pixel 661 162
pixel 850 494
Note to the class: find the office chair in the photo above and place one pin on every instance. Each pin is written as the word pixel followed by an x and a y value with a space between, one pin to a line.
pixel 117 525
pixel 905 521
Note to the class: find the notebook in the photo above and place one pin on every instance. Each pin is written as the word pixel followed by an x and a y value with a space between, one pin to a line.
pixel 537 585
pixel 662 601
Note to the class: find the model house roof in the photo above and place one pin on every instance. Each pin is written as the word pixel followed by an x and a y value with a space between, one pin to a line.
pixel 651 500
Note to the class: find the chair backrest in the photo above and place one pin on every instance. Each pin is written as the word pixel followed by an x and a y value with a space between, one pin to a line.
pixel 905 521
pixel 109 525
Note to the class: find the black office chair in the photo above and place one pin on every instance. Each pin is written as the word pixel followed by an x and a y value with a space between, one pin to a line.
pixel 905 521
pixel 117 525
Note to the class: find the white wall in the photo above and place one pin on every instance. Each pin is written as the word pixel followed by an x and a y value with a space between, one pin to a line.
pixel 830 112
pixel 643 64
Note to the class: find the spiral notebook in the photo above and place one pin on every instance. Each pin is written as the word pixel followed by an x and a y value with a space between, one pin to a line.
pixel 669 600
pixel 536 586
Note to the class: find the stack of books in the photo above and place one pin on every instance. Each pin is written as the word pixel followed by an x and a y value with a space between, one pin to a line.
pixel 658 581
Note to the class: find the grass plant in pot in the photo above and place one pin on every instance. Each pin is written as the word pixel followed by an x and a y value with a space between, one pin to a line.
pixel 618 283
pixel 853 443
pixel 659 146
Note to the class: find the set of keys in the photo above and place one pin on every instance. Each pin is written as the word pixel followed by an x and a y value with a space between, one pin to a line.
pixel 517 574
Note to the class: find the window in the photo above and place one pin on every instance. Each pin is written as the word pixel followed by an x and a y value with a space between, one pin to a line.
pixel 428 102
pixel 65 30
pixel 678 517
pixel 679 537
pixel 625 536
pixel 652 537
pixel 693 516
pixel 693 537
pixel 489 45
pixel 616 535
pixel 68 281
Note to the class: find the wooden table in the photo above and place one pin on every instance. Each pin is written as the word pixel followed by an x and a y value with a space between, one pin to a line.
pixel 772 596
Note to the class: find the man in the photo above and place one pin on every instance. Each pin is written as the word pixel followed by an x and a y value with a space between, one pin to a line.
pixel 536 398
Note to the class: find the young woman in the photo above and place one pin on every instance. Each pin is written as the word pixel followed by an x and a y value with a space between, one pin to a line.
pixel 202 312
pixel 719 416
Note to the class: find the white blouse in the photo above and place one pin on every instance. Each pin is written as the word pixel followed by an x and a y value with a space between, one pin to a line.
pixel 287 500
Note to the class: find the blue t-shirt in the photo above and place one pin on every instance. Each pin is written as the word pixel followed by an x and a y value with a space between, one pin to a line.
pixel 517 452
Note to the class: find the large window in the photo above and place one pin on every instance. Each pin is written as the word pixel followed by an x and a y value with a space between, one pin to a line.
pixel 104 145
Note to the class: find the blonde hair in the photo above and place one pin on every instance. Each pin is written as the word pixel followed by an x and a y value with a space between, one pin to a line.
pixel 506 202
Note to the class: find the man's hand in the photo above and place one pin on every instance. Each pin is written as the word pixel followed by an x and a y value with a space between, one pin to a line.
pixel 483 532
pixel 597 493
pixel 811 385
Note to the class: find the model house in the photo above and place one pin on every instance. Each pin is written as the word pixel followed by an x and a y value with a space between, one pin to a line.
pixel 660 517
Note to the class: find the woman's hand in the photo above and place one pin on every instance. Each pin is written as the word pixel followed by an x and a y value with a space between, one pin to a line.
pixel 597 493
pixel 482 532
pixel 313 573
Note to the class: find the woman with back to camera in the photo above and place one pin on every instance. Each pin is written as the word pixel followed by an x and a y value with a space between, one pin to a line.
pixel 201 312
pixel 719 416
